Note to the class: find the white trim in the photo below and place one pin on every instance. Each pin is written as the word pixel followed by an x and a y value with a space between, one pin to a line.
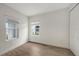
pixel 7 18
pixel 35 22
pixel 69 11
pixel 71 6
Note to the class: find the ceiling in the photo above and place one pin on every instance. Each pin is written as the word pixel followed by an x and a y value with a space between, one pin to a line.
pixel 30 9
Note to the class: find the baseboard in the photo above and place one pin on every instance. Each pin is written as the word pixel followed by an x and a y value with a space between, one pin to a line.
pixel 11 48
pixel 51 46
pixel 48 45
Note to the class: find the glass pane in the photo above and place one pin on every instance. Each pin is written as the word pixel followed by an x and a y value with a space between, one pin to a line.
pixel 11 25
pixel 35 29
pixel 11 30
pixel 6 25
pixel 12 33
pixel 37 26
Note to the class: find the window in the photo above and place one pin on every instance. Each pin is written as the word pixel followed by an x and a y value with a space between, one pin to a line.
pixel 11 29
pixel 35 28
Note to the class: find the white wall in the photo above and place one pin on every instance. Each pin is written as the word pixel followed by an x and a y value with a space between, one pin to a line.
pixel 74 30
pixel 23 28
pixel 54 28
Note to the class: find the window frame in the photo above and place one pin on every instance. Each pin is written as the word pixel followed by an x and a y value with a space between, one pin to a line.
pixel 15 28
pixel 35 24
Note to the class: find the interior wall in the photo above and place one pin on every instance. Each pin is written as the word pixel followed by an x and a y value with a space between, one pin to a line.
pixel 6 11
pixel 53 28
pixel 74 30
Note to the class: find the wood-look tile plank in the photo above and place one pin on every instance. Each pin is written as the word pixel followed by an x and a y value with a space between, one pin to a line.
pixel 35 49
